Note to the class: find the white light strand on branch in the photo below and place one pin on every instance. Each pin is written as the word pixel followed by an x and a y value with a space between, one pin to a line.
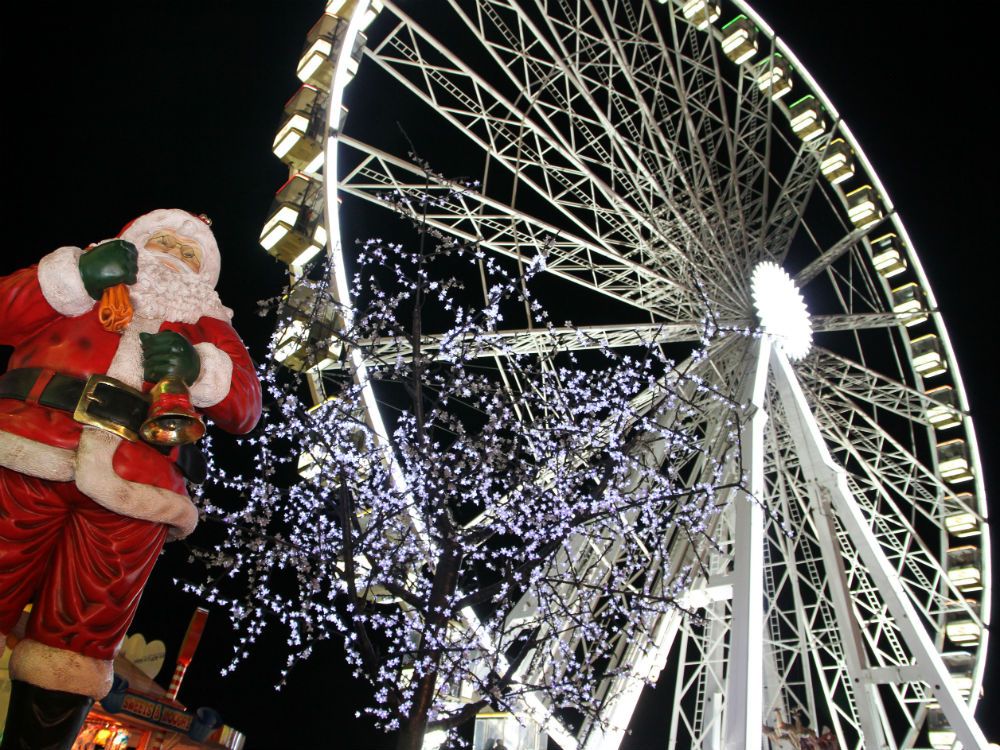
pixel 557 478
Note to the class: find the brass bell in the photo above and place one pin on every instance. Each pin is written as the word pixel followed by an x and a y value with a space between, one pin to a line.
pixel 172 419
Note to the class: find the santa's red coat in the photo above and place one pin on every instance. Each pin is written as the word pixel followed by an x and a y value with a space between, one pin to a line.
pixel 83 511
pixel 79 346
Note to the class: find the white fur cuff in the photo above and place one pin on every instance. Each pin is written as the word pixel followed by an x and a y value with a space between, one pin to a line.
pixel 62 285
pixel 35 459
pixel 216 376
pixel 96 479
pixel 59 669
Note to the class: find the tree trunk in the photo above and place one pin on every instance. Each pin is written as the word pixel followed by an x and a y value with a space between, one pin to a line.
pixel 411 736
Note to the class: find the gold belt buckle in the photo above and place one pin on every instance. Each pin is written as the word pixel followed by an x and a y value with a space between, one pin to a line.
pixel 89 396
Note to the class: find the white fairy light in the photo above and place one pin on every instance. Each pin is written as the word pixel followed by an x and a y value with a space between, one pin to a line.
pixel 351 549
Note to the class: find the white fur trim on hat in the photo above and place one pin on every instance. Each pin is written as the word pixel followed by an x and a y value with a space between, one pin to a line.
pixel 96 478
pixel 215 378
pixel 35 459
pixel 62 285
pixel 186 224
pixel 60 669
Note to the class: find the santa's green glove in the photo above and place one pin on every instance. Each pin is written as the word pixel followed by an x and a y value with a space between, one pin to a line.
pixel 168 353
pixel 107 264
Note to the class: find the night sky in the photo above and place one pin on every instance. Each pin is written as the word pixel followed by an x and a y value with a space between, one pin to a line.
pixel 113 109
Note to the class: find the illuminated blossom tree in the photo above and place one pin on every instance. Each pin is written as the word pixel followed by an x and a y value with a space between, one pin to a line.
pixel 448 544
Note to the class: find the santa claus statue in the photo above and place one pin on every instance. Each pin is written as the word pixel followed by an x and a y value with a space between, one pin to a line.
pixel 86 503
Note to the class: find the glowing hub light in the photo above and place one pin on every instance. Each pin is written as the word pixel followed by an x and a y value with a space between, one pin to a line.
pixel 908 303
pixel 781 310
pixel 953 461
pixel 739 39
pixel 806 119
pixel 887 255
pixel 701 12
pixel 927 357
pixel 837 163
pixel 863 208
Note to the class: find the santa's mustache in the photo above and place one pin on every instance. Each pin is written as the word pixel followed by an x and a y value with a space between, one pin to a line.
pixel 162 293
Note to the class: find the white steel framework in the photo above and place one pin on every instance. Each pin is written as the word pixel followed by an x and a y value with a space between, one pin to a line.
pixel 655 153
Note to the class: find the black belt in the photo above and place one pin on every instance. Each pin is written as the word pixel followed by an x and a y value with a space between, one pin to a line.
pixel 100 402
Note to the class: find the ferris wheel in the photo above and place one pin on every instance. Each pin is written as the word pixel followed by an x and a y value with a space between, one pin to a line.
pixel 684 169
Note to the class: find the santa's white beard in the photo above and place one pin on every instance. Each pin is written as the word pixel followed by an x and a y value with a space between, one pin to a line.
pixel 161 293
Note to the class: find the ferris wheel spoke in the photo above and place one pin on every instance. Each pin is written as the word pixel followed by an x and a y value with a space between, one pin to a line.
pixel 709 238
pixel 639 155
pixel 536 156
pixel 562 94
pixel 689 96
pixel 734 146
pixel 886 469
pixel 790 205
pixel 861 384
pixel 471 216
pixel 644 656
pixel 833 253
pixel 542 341
pixel 885 473
pixel 858 321
pixel 702 123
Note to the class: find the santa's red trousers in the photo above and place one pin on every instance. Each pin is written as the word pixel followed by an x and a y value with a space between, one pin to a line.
pixel 81 566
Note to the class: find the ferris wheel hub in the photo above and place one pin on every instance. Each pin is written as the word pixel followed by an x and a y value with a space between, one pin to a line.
pixel 781 309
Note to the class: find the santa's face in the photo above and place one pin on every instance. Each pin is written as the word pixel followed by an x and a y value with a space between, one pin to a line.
pixel 167 242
